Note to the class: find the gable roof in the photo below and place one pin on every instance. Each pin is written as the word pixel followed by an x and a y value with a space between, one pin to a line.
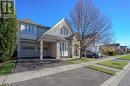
pixel 52 38
pixel 67 22
pixel 76 34
pixel 116 44
pixel 72 36
pixel 63 20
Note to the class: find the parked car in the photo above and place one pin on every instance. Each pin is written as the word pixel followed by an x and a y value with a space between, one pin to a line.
pixel 93 55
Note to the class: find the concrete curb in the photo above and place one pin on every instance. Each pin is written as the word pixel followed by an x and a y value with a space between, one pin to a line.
pixel 2 79
pixel 115 80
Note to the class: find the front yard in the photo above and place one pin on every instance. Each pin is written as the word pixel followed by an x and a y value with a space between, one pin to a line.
pixel 114 64
pixel 111 66
pixel 80 60
pixel 4 85
pixel 7 67
pixel 125 57
pixel 101 69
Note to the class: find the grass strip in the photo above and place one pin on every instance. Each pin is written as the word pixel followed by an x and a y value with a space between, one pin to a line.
pixel 125 57
pixel 114 64
pixel 7 67
pixel 101 69
pixel 80 60
pixel 4 85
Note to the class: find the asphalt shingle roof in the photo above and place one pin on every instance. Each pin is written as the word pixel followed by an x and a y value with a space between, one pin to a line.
pixel 29 21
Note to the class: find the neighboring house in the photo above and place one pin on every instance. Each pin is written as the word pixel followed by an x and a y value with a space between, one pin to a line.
pixel 128 50
pixel 114 49
pixel 124 49
pixel 92 44
pixel 35 40
pixel 94 48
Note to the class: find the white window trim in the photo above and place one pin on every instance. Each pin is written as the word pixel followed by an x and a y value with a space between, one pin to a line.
pixel 64 31
pixel 63 48
pixel 28 28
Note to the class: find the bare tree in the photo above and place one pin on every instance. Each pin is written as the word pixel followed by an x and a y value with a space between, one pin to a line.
pixel 108 39
pixel 88 22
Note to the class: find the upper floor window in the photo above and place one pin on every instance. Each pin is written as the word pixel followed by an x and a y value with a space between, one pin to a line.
pixel 61 31
pixel 28 28
pixel 64 31
pixel 31 29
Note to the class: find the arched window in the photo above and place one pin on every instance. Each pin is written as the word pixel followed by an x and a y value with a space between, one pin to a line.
pixel 61 31
pixel 64 31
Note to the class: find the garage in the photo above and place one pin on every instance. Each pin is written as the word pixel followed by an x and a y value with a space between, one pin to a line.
pixel 29 50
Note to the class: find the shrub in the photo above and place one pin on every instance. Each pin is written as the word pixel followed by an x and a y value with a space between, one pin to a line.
pixel 8 28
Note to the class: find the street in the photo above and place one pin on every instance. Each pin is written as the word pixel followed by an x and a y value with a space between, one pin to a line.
pixel 76 77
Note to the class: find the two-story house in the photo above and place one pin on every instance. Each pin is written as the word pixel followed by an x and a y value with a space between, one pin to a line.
pixel 35 40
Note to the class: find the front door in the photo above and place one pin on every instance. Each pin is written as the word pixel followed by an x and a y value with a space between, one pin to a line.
pixel 45 51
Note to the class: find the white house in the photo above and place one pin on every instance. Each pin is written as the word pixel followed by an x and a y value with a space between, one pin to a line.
pixel 35 40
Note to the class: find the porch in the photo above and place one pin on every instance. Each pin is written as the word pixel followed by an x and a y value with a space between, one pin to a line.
pixel 58 47
pixel 50 46
pixel 47 50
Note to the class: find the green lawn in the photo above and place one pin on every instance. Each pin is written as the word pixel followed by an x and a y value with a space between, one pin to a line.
pixel 4 85
pixel 80 60
pixel 125 57
pixel 101 69
pixel 114 64
pixel 7 67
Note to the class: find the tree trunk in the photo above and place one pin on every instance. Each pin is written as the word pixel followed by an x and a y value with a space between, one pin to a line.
pixel 80 51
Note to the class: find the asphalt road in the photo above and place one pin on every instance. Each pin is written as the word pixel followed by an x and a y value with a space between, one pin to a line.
pixel 77 77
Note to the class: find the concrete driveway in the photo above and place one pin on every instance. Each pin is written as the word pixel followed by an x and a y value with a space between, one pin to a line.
pixel 31 64
pixel 76 77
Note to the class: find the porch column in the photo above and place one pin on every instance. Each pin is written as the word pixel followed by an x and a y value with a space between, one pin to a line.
pixel 41 50
pixel 73 50
pixel 58 50
pixel 79 51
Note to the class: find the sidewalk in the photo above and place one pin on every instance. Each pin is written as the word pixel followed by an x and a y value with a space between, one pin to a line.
pixel 18 77
pixel 121 78
pixel 117 79
pixel 126 80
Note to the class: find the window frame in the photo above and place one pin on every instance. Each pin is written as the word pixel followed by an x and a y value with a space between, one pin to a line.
pixel 64 31
pixel 63 46
pixel 26 28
